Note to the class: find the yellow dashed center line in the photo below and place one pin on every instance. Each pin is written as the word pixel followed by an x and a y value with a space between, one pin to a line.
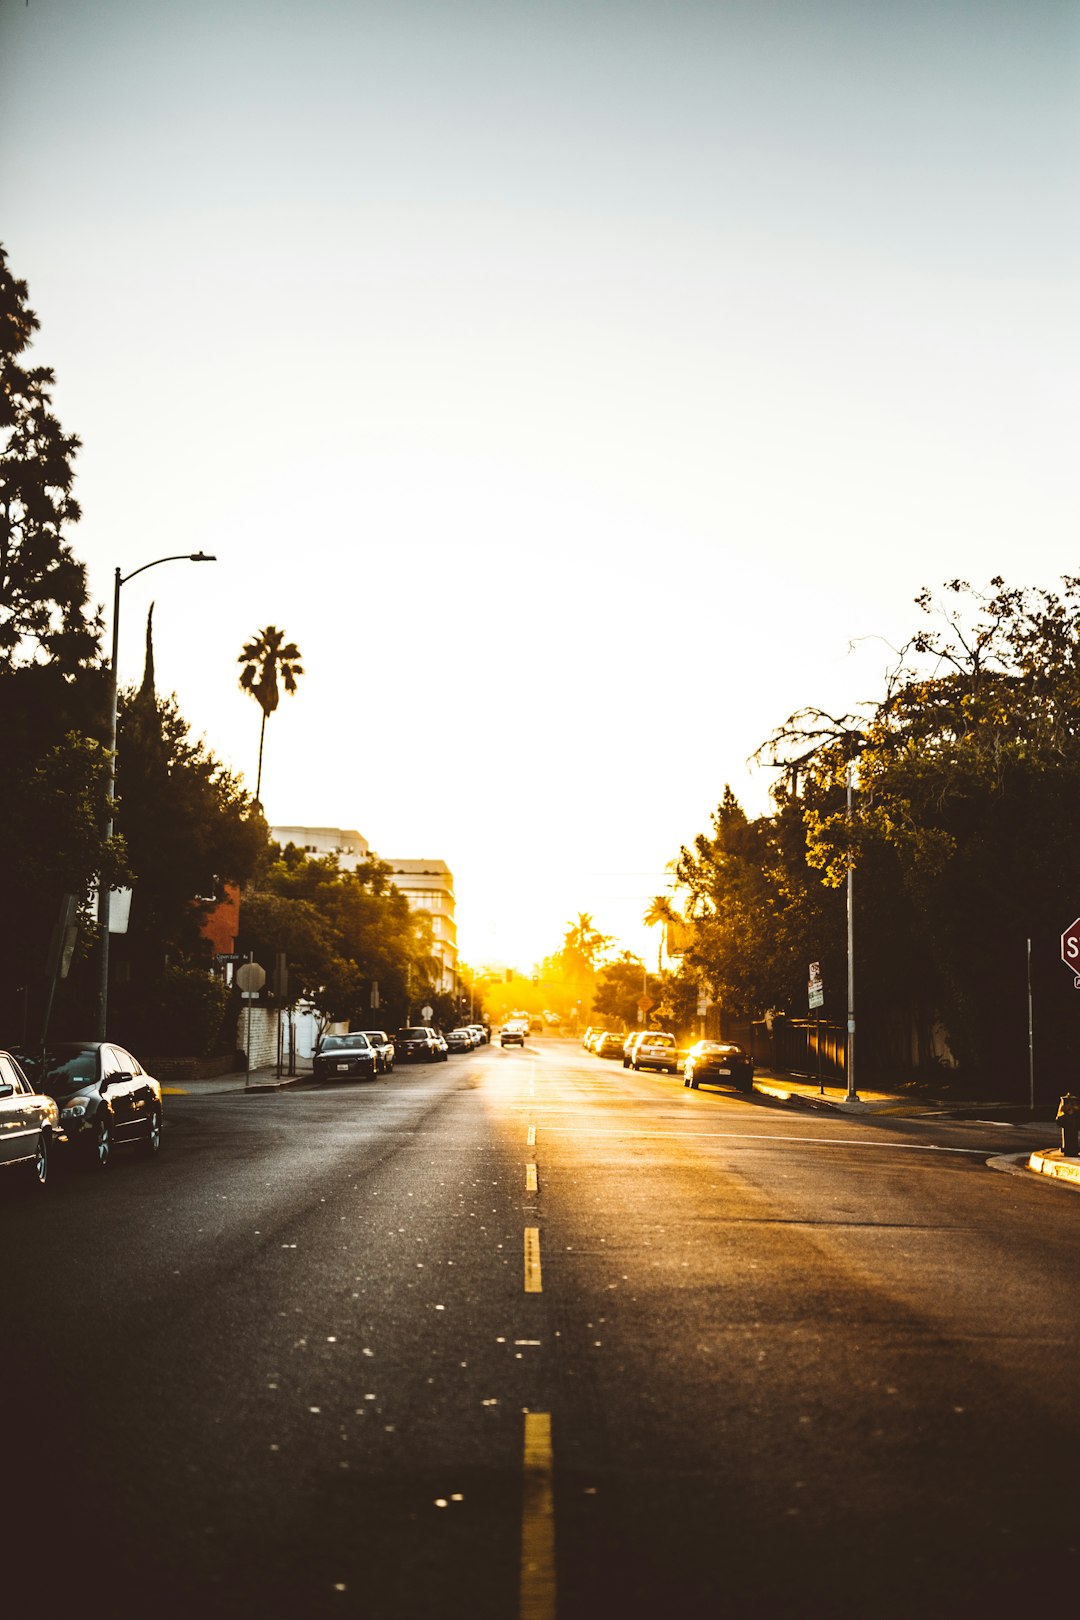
pixel 538 1521
pixel 530 1140
pixel 530 1178
pixel 533 1283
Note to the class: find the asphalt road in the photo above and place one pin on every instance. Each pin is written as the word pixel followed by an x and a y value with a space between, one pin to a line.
pixel 341 1352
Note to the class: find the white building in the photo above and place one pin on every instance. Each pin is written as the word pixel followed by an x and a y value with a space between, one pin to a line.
pixel 428 884
pixel 349 847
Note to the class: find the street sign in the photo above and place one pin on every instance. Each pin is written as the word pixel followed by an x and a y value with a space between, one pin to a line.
pixel 250 976
pixel 425 1013
pixel 815 988
pixel 646 1003
pixel 1070 950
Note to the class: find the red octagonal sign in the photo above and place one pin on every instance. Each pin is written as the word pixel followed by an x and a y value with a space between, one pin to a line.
pixel 1070 949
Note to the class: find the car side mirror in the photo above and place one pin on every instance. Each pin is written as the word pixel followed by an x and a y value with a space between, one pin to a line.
pixel 7 1089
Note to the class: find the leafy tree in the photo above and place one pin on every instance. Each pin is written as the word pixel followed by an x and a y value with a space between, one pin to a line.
pixel 343 932
pixel 264 658
pixel 185 827
pixel 963 841
pixel 619 987
pixel 43 598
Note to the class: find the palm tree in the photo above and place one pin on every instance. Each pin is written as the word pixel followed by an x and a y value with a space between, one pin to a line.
pixel 662 911
pixel 264 658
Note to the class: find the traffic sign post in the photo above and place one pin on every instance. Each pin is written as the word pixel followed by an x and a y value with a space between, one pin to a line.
pixel 250 978
pixel 1070 951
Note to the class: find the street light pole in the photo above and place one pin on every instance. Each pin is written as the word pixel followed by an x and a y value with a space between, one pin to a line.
pixel 852 1094
pixel 104 897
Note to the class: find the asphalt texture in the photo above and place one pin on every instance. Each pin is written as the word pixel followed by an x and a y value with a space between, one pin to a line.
pixel 791 1364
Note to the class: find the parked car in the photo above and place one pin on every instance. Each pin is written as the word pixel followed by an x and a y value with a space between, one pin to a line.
pixel 461 1040
pixel 656 1050
pixel 440 1042
pixel 511 1035
pixel 587 1037
pixel 610 1044
pixel 349 1056
pixel 628 1047
pixel 384 1050
pixel 418 1043
pixel 105 1098
pixel 718 1060
pixel 480 1033
pixel 29 1123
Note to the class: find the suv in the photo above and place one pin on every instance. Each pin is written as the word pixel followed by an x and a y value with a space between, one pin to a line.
pixel 512 1034
pixel 419 1042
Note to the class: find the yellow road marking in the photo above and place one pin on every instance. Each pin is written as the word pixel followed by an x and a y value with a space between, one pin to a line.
pixel 530 1178
pixel 537 1597
pixel 533 1282
pixel 530 1140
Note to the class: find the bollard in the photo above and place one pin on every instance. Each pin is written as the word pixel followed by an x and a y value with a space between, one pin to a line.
pixel 1068 1117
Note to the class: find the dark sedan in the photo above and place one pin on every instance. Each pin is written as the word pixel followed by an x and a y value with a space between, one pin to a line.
pixel 720 1061
pixel 609 1045
pixel 105 1097
pixel 344 1057
pixel 420 1044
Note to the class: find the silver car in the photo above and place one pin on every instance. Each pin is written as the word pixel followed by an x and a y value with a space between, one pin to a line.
pixel 29 1122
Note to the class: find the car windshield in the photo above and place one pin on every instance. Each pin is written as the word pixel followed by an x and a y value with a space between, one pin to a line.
pixel 376 1035
pixel 658 1040
pixel 64 1069
pixel 415 1034
pixel 343 1043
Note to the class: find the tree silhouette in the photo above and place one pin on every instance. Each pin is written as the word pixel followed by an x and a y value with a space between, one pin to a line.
pixel 264 658
pixel 44 615
pixel 661 911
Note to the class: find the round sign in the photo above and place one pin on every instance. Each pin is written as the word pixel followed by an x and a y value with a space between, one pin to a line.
pixel 425 1013
pixel 250 976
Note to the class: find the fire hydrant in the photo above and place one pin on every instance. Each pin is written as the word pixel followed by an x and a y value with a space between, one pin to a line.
pixel 1068 1117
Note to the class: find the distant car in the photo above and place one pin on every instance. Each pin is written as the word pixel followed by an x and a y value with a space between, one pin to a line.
pixel 461 1040
pixel 479 1032
pixel 720 1061
pixel 341 1057
pixel 587 1037
pixel 628 1047
pixel 511 1035
pixel 384 1050
pixel 440 1042
pixel 610 1044
pixel 105 1097
pixel 29 1124
pixel 418 1044
pixel 655 1050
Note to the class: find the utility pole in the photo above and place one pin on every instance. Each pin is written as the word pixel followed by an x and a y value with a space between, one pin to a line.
pixel 852 1094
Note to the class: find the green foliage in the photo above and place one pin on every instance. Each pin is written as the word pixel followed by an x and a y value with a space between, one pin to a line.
pixel 619 987
pixel 43 601
pixel 342 932
pixel 963 838
pixel 186 827
pixel 177 1012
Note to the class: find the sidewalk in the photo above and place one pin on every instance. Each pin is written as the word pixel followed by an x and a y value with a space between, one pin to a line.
pixel 806 1094
pixel 264 1079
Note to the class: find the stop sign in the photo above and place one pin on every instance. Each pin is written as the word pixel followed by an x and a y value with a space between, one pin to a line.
pixel 1070 948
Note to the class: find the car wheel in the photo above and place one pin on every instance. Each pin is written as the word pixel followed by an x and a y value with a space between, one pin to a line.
pixel 101 1146
pixel 692 1082
pixel 151 1144
pixel 38 1169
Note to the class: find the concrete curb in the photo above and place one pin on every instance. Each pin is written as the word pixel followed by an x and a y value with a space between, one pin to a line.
pixel 1052 1162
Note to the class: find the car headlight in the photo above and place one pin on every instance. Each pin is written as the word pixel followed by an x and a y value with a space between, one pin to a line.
pixel 74 1110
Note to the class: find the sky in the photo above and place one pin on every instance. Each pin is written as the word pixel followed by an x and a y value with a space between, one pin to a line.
pixel 584 385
